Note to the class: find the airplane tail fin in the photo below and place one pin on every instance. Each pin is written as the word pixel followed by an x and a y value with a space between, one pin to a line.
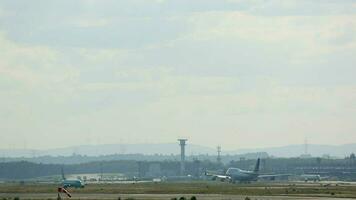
pixel 257 167
pixel 63 177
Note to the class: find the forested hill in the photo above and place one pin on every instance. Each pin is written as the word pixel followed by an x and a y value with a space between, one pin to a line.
pixel 26 170
pixel 169 149
pixel 77 159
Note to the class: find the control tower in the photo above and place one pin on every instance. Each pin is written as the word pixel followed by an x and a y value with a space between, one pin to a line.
pixel 219 154
pixel 182 156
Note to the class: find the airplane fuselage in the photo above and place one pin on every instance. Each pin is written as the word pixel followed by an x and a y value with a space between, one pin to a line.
pixel 240 175
pixel 311 177
pixel 72 183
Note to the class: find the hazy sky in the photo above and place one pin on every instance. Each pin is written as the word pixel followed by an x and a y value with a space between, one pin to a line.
pixel 239 73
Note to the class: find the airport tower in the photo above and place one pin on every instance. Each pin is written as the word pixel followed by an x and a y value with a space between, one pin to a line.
pixel 182 156
pixel 219 154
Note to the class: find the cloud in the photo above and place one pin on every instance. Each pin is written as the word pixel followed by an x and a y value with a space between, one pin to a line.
pixel 21 62
pixel 143 69
pixel 302 8
pixel 135 24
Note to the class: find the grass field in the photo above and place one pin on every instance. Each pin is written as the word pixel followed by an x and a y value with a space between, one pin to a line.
pixel 201 188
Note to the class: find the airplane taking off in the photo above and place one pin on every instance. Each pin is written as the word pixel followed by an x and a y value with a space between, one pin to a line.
pixel 76 183
pixel 234 175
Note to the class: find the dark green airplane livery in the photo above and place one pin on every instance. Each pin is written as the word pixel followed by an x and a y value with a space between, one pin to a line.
pixel 75 183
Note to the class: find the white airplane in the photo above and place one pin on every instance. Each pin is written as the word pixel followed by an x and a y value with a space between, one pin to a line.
pixel 234 175
pixel 311 177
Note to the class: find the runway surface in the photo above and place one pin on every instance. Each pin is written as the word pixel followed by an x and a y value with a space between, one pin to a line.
pixel 160 196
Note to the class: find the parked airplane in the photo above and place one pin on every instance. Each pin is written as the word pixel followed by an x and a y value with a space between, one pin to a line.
pixel 234 175
pixel 311 177
pixel 66 183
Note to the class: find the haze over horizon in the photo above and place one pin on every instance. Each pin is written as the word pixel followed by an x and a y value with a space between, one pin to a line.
pixel 189 143
pixel 168 149
pixel 235 73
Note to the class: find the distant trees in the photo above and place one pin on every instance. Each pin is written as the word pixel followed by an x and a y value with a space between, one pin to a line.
pixel 27 170
pixel 24 170
pixel 21 170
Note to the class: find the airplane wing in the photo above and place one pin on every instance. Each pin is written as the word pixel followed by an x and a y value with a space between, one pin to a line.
pixel 273 176
pixel 221 177
pixel 218 176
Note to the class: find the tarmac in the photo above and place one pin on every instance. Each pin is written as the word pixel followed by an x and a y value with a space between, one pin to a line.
pixel 39 196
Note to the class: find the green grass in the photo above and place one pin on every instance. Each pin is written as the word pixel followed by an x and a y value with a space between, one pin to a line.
pixel 258 189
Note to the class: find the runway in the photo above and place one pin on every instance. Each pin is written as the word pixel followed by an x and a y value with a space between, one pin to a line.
pixel 42 196
pixel 202 190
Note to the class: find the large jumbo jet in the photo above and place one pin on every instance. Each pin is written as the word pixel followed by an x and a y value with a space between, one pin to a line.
pixel 66 183
pixel 234 175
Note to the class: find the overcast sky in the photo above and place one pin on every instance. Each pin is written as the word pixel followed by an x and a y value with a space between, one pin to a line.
pixel 236 73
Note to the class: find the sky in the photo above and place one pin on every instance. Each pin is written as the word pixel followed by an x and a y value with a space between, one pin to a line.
pixel 235 73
